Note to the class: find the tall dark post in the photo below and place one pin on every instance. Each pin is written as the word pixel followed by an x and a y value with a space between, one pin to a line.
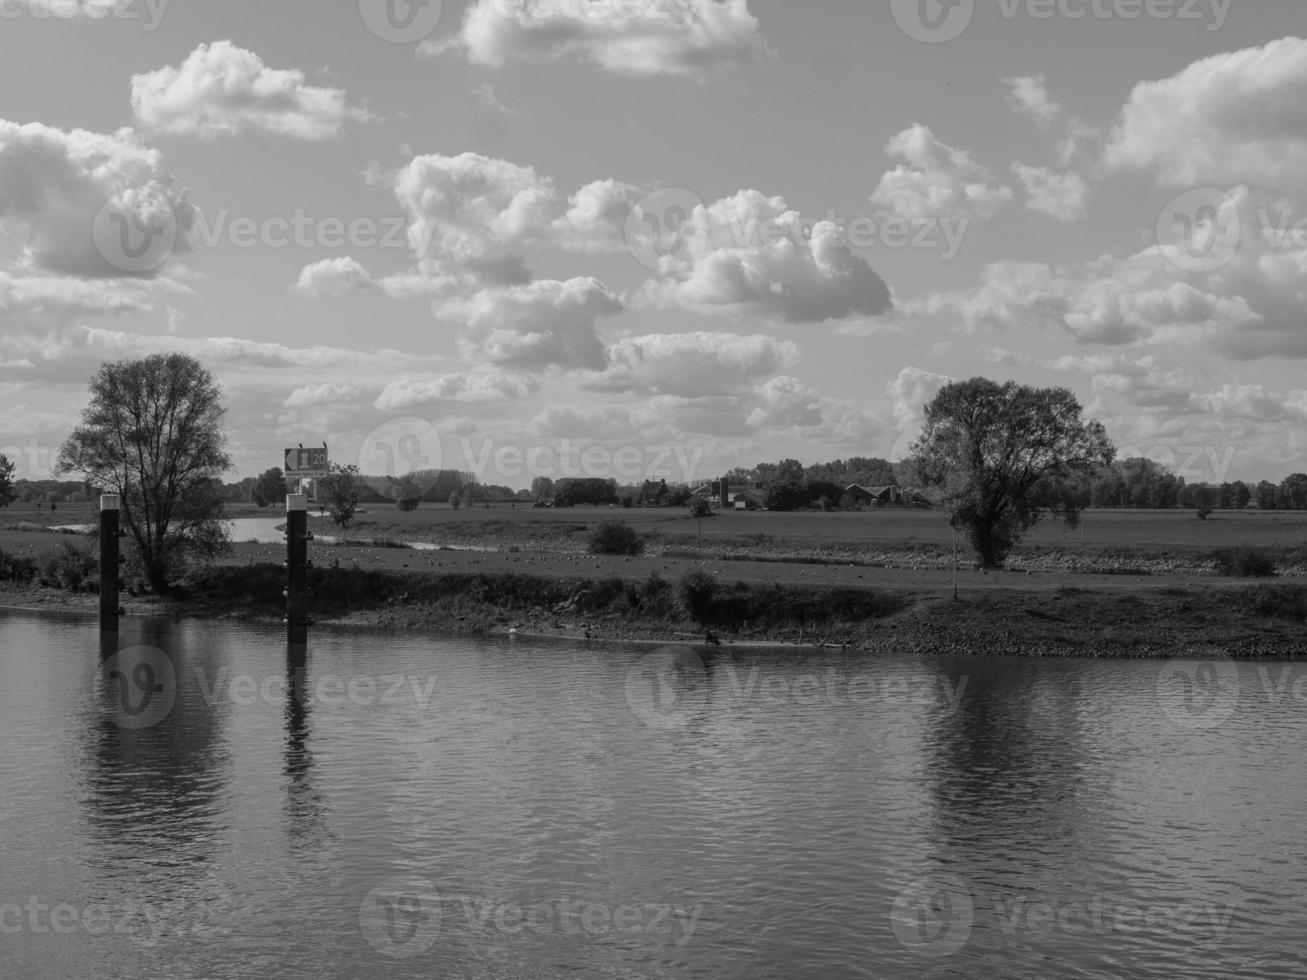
pixel 297 563
pixel 110 505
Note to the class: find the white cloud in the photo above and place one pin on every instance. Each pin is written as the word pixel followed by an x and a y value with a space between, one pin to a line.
pixel 785 402
pixel 60 295
pixel 938 180
pixel 1234 118
pixel 694 365
pixel 405 394
pixel 1141 384
pixel 1027 95
pixel 61 186
pixel 639 38
pixel 542 324
pixel 488 100
pixel 311 396
pixel 333 278
pixel 223 90
pixel 1135 300
pixel 233 352
pixel 470 211
pixel 910 393
pixel 1061 196
pixel 74 9
pixel 751 254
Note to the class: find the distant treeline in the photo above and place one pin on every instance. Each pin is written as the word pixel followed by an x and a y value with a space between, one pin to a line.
pixel 788 484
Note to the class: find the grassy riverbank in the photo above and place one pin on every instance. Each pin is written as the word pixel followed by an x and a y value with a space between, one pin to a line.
pixel 1246 621
pixel 880 581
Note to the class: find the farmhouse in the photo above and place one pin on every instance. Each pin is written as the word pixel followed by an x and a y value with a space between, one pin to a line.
pixel 892 494
pixel 653 494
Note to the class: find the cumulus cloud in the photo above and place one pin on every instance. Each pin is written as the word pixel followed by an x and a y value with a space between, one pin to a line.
pixel 751 254
pixel 1109 301
pixel 1027 95
pixel 910 392
pixel 638 38
pixel 405 394
pixel 60 295
pixel 1141 383
pixel 693 365
pixel 223 90
pixel 785 402
pixel 333 278
pixel 546 323
pixel 240 352
pixel 74 9
pixel 937 181
pixel 67 189
pixel 471 211
pixel 1233 118
pixel 1061 196
pixel 311 396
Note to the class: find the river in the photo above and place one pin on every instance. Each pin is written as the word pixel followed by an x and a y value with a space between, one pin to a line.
pixel 192 807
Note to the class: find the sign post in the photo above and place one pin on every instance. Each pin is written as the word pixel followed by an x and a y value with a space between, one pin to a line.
pixel 297 564
pixel 306 464
pixel 110 559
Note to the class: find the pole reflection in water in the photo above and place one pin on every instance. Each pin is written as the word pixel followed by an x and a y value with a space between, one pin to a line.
pixel 305 811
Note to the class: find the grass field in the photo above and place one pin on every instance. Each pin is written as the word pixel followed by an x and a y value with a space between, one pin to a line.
pixel 1045 604
pixel 1143 530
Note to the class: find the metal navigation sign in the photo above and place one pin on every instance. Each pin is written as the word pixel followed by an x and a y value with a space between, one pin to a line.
pixel 306 464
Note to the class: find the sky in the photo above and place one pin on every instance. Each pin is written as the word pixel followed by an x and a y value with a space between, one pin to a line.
pixel 648 239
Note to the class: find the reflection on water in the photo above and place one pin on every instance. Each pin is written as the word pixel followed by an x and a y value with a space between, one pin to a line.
pixel 199 801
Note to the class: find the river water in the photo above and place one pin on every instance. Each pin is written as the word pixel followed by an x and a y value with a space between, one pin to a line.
pixel 194 807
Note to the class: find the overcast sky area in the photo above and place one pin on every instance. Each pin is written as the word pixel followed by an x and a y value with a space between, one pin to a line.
pixel 687 234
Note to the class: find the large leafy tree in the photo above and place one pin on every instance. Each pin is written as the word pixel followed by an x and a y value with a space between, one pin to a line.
pixel 270 487
pixel 341 490
pixel 153 434
pixel 1007 455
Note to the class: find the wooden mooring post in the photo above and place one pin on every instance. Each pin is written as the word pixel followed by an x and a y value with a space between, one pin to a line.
pixel 297 565
pixel 110 561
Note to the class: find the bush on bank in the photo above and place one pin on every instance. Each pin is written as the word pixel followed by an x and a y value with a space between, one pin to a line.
pixel 337 591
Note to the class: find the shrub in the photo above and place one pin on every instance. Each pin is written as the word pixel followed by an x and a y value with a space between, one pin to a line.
pixel 616 538
pixel 407 505
pixel 698 595
pixel 16 568
pixel 1278 602
pixel 1244 562
pixel 69 566
pixel 699 507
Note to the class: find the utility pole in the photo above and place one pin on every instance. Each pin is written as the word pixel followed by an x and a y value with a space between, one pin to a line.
pixel 297 565
pixel 110 560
